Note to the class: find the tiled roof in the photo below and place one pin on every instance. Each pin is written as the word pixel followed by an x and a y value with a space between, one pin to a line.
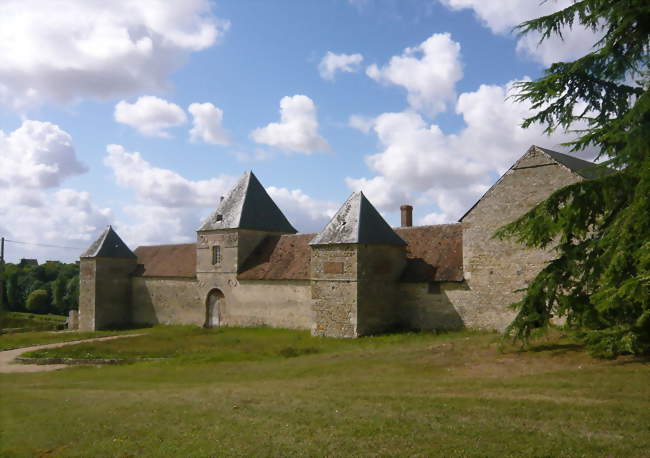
pixel 357 221
pixel 279 257
pixel 434 253
pixel 108 245
pixel 248 206
pixel 167 261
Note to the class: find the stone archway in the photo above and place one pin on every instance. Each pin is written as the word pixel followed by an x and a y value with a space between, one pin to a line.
pixel 214 303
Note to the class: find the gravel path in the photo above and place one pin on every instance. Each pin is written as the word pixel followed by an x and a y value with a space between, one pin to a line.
pixel 8 356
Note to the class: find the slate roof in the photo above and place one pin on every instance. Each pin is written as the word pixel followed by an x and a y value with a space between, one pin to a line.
pixel 433 253
pixel 248 206
pixel 357 221
pixel 279 257
pixel 108 245
pixel 583 168
pixel 167 261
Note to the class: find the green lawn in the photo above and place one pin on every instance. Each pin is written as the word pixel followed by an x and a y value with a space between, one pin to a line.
pixel 266 392
pixel 26 339
pixel 30 321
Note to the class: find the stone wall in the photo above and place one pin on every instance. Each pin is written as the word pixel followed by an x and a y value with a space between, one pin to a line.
pixel 104 292
pixel 157 300
pixel 87 294
pixel 379 268
pixel 495 269
pixel 334 290
pixel 276 303
pixel 427 306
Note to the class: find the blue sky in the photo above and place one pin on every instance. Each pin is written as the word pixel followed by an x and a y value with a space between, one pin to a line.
pixel 105 118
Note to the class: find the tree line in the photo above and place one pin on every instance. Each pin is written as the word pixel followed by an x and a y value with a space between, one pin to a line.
pixel 52 287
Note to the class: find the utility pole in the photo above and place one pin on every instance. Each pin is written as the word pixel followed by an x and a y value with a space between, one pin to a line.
pixel 2 271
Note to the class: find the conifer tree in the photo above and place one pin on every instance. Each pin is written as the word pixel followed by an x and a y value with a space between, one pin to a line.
pixel 599 280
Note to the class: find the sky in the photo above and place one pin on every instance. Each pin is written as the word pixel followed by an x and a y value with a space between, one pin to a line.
pixel 142 113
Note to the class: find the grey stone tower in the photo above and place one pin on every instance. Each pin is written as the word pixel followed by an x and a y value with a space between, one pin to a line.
pixel 356 262
pixel 243 219
pixel 105 283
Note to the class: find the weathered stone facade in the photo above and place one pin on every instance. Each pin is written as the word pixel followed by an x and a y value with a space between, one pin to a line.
pixel 104 292
pixel 494 269
pixel 162 300
pixel 357 277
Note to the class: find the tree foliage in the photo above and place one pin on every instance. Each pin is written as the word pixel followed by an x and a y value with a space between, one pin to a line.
pixel 600 228
pixel 38 301
pixel 60 281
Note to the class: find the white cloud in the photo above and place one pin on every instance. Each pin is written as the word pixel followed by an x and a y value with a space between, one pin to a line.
pixel 66 49
pixel 151 224
pixel 428 72
pixel 501 16
pixel 37 155
pixel 65 218
pixel 359 4
pixel 304 212
pixel 576 43
pixel 361 123
pixel 35 158
pixel 170 207
pixel 150 115
pixel 383 193
pixel 297 130
pixel 163 187
pixel 207 124
pixel 332 63
pixel 419 162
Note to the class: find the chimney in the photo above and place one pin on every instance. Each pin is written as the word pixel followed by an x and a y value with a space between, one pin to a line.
pixel 407 215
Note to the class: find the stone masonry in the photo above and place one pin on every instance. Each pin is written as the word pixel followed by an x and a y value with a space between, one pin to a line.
pixel 357 277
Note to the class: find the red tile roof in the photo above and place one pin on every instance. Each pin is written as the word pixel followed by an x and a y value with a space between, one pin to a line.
pixel 434 253
pixel 279 257
pixel 167 261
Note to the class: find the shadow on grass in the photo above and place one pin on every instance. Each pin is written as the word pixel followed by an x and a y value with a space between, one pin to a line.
pixel 555 348
pixel 128 327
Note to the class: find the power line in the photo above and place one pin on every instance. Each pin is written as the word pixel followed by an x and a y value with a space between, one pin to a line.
pixel 44 245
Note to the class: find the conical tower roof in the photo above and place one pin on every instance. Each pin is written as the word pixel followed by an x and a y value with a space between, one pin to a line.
pixel 108 245
pixel 357 221
pixel 248 206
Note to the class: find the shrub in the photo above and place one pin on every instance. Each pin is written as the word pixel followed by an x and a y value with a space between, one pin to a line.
pixel 38 301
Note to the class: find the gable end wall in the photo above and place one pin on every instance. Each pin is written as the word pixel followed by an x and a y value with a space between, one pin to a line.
pixel 495 269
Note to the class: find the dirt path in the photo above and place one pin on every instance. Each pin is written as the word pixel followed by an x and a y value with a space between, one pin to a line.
pixel 8 356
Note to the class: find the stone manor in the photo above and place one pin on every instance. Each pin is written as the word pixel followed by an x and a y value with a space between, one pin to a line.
pixel 358 276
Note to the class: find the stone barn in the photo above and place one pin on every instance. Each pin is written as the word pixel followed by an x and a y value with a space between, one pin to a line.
pixel 358 276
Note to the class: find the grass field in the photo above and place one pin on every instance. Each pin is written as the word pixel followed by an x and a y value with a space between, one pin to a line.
pixel 267 392
pixel 30 321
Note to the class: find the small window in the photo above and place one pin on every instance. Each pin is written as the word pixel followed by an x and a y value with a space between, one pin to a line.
pixel 216 255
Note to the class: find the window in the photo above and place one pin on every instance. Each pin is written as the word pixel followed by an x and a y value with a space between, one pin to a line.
pixel 216 255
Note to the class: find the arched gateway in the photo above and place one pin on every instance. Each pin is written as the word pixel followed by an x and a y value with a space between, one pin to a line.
pixel 213 308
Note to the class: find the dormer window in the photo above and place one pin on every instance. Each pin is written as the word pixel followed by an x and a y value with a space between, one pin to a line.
pixel 216 255
pixel 219 218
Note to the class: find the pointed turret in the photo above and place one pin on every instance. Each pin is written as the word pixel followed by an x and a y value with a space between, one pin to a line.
pixel 108 245
pixel 105 283
pixel 357 221
pixel 248 206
